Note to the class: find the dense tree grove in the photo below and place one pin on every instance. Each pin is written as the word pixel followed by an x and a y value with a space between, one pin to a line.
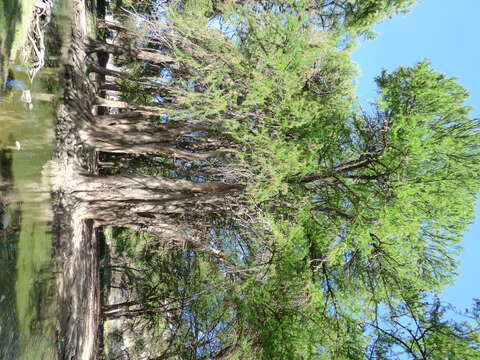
pixel 284 222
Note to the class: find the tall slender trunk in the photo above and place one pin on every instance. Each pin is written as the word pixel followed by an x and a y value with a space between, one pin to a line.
pixel 131 51
pixel 145 187
pixel 143 144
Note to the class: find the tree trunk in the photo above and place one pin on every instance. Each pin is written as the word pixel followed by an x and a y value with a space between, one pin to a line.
pixel 104 24
pixel 112 103
pixel 145 187
pixel 131 117
pixel 143 210
pixel 133 52
pixel 142 144
pixel 152 109
pixel 138 128
pixel 111 87
pixel 91 67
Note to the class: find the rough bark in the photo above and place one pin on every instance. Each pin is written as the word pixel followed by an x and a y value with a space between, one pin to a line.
pixel 173 233
pixel 138 128
pixel 143 144
pixel 145 187
pixel 104 24
pixel 153 109
pixel 178 223
pixel 91 67
pixel 110 87
pixel 192 206
pixel 153 88
pixel 341 169
pixel 131 51
pixel 112 103
pixel 131 117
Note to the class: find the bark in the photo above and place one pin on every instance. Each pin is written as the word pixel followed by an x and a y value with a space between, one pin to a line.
pixel 130 117
pixel 142 210
pixel 126 304
pixel 130 314
pixel 146 130
pixel 111 87
pixel 155 58
pixel 179 224
pixel 152 109
pixel 5 185
pixel 350 166
pixel 113 93
pixel 104 24
pixel 130 51
pixel 145 187
pixel 143 144
pixel 138 128
pixel 153 83
pixel 175 211
pixel 91 67
pixel 126 117
pixel 176 235
pixel 128 135
pixel 112 103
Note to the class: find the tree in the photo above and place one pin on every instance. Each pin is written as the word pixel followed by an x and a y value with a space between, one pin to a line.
pixel 356 17
pixel 354 216
pixel 423 329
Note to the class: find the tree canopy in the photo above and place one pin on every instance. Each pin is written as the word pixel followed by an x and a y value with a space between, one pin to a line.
pixel 348 223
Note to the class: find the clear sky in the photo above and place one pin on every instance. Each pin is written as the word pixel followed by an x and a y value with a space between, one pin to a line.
pixel 447 33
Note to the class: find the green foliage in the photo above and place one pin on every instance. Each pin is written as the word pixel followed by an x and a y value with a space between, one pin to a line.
pixel 359 16
pixel 139 6
pixel 354 17
pixel 183 297
pixel 132 91
pixel 277 92
pixel 127 242
pixel 423 328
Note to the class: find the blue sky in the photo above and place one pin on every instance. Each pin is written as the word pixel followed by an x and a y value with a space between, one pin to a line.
pixel 447 33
